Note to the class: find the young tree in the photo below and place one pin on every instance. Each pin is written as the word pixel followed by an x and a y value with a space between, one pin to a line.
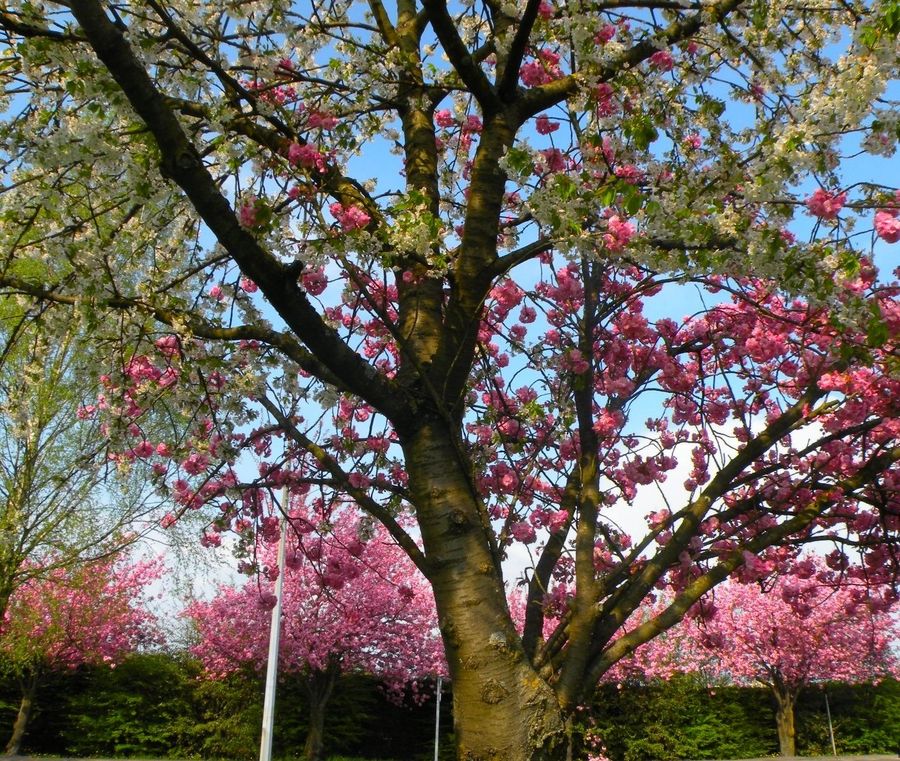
pixel 60 502
pixel 64 618
pixel 464 338
pixel 802 628
pixel 352 601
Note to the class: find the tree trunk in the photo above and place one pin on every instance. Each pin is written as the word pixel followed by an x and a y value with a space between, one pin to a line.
pixel 29 689
pixel 319 686
pixel 784 719
pixel 502 709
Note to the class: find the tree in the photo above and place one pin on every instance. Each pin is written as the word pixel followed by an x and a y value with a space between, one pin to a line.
pixel 463 338
pixel 352 602
pixel 802 628
pixel 92 614
pixel 59 503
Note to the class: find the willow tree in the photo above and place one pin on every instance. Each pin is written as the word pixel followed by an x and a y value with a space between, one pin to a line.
pixel 414 243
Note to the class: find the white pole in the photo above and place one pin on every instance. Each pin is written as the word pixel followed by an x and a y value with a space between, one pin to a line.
pixel 437 720
pixel 268 721
pixel 830 728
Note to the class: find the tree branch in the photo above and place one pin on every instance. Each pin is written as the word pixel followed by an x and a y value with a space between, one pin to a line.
pixel 181 163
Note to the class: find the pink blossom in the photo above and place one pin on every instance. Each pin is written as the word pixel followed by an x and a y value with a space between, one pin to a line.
pixel 359 481
pixel 545 11
pixel 618 233
pixel 543 69
pixel 210 539
pixel 825 205
pixel 248 286
pixel 887 225
pixel 522 532
pixel 314 281
pixel 693 141
pixel 321 120
pixel 444 118
pixel 472 124
pixel 554 159
pixel 349 217
pixel 306 156
pixel 195 464
pixel 662 60
pixel 605 34
pixel 248 216
pixel 169 346
pixel 544 126
pixel 629 173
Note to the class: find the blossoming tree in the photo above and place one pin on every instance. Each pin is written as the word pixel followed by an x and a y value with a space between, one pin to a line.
pixel 65 618
pixel 58 505
pixel 440 251
pixel 808 626
pixel 352 601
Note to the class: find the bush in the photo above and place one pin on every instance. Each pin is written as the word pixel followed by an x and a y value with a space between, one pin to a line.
pixel 866 719
pixel 682 719
pixel 143 707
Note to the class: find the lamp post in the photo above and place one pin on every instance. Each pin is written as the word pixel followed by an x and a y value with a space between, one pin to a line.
pixel 437 718
pixel 268 720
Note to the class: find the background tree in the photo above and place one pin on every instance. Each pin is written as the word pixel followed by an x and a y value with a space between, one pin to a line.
pixel 796 633
pixel 91 614
pixel 61 504
pixel 788 634
pixel 469 338
pixel 352 602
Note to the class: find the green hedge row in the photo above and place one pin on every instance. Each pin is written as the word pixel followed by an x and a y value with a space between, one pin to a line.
pixel 682 719
pixel 157 705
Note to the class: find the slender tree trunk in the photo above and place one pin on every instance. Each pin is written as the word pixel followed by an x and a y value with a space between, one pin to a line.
pixel 784 719
pixel 503 710
pixel 29 690
pixel 319 686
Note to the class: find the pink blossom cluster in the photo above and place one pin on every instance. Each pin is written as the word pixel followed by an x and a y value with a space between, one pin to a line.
pixel 307 156
pixel 887 221
pixel 542 68
pixel 825 205
pixel 383 622
pixel 93 613
pixel 350 218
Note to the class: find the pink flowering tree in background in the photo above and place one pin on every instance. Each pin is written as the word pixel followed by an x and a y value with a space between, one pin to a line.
pixel 584 296
pixel 353 602
pixel 812 625
pixel 92 614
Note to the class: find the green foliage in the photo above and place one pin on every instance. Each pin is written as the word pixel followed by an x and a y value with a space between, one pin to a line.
pixel 683 719
pixel 229 716
pixel 142 707
pixel 157 705
pixel 865 718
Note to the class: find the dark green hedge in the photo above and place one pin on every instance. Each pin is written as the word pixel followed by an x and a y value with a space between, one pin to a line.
pixel 157 705
pixel 681 719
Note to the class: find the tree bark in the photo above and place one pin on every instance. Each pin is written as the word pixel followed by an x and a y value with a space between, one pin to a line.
pixel 784 720
pixel 319 686
pixel 29 690
pixel 503 710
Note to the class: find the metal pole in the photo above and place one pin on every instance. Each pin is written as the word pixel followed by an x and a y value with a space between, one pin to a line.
pixel 437 720
pixel 830 728
pixel 268 721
